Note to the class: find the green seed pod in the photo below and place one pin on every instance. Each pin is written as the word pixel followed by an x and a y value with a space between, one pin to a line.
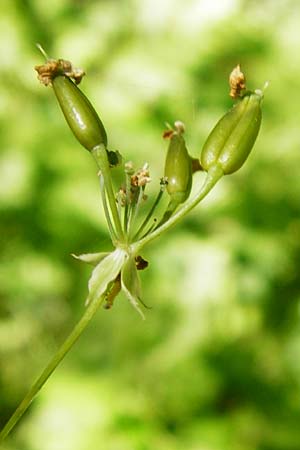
pixel 233 137
pixel 178 169
pixel 79 113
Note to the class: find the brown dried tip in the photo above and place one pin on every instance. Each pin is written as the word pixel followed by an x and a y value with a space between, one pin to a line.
pixel 237 82
pixel 167 134
pixel 141 263
pixel 121 196
pixel 179 128
pixel 141 177
pixel 56 67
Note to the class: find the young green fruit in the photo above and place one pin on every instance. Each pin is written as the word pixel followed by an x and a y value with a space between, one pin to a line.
pixel 178 169
pixel 233 137
pixel 79 113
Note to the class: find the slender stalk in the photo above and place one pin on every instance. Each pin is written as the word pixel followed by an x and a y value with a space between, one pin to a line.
pixel 54 362
pixel 151 228
pixel 126 217
pixel 168 213
pixel 149 215
pixel 128 199
pixel 119 206
pixel 106 211
pixel 131 210
pixel 100 156
pixel 212 177
pixel 136 210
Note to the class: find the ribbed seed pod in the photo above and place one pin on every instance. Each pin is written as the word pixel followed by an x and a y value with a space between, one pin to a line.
pixel 178 169
pixel 79 113
pixel 233 137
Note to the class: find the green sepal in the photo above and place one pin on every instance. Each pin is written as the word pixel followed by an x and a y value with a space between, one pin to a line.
pixel 131 284
pixel 91 258
pixel 105 272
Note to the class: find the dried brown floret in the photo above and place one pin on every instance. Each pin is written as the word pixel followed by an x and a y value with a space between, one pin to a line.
pixel 121 196
pixel 237 82
pixel 179 128
pixel 141 177
pixel 56 67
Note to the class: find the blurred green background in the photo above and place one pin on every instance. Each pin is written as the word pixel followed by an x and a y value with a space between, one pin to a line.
pixel 216 365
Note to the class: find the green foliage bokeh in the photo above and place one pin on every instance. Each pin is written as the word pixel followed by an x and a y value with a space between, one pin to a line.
pixel 216 365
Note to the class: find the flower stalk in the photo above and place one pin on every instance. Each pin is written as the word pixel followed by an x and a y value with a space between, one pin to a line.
pixel 100 156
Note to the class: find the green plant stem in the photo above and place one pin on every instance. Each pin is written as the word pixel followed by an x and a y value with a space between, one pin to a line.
pixel 212 177
pixel 106 211
pixel 131 210
pixel 128 200
pixel 100 156
pixel 150 213
pixel 57 358
pixel 168 213
pixel 136 210
pixel 150 229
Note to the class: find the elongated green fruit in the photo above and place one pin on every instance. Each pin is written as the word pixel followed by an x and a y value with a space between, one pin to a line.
pixel 79 113
pixel 233 137
pixel 178 169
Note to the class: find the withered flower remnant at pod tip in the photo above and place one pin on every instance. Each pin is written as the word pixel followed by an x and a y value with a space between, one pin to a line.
pixel 79 113
pixel 237 82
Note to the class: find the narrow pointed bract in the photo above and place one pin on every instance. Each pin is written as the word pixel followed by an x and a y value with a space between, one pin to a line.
pixel 131 283
pixel 105 272
pixel 91 258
